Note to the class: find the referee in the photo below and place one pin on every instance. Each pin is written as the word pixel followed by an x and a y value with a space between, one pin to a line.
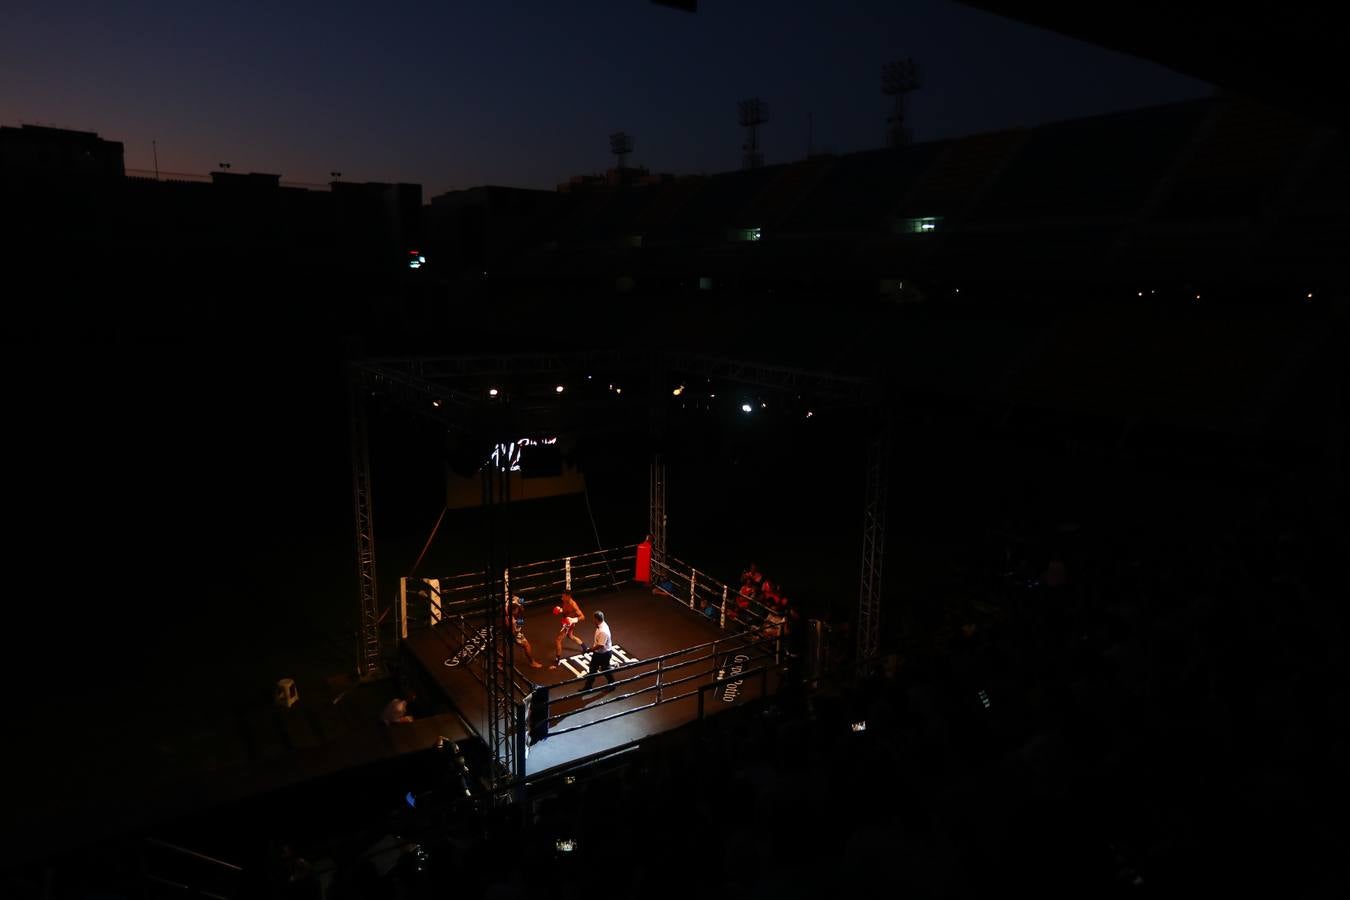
pixel 602 648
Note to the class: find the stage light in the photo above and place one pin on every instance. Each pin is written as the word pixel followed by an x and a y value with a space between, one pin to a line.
pixel 1309 297
pixel 492 392
pixel 680 390
pixel 436 403
pixel 809 413
pixel 746 407
pixel 618 390
pixel 569 779
pixel 763 405
pixel 565 845
pixel 558 389
pixel 858 727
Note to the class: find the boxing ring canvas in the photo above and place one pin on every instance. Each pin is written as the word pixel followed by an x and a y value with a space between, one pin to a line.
pixel 674 664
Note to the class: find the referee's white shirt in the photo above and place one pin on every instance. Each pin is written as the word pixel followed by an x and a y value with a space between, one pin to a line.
pixel 602 639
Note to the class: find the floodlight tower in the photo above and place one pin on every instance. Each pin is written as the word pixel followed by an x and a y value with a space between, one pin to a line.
pixel 621 145
pixel 751 114
pixel 899 79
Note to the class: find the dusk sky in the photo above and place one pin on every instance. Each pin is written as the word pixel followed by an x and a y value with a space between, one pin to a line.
pixel 455 94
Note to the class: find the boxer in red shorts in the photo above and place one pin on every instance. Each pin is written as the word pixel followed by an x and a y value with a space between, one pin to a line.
pixel 571 614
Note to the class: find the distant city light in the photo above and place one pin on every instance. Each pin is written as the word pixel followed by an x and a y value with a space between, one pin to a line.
pixel 492 392
pixel 559 389
pixel 746 407
pixel 618 390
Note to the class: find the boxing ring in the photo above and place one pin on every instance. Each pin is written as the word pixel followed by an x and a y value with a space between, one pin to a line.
pixel 677 663
pixel 684 646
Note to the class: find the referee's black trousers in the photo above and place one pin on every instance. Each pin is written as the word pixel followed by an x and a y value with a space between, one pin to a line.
pixel 599 663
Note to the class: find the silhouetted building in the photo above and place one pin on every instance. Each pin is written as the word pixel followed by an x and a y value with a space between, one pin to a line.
pixel 614 178
pixel 246 181
pixel 240 248
pixel 472 231
pixel 1224 194
pixel 33 152
pixel 377 222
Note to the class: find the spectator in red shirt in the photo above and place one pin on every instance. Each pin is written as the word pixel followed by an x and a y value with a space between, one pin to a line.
pixel 752 578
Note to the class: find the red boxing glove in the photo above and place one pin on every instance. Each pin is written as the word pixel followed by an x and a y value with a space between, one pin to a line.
pixel 557 610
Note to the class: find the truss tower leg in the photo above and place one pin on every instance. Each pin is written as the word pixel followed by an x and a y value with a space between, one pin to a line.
pixel 656 521
pixel 369 652
pixel 873 553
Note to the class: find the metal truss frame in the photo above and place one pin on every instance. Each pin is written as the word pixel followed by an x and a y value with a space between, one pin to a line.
pixel 434 377
pixel 369 647
pixel 505 725
pixel 873 554
pixel 844 388
pixel 656 517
